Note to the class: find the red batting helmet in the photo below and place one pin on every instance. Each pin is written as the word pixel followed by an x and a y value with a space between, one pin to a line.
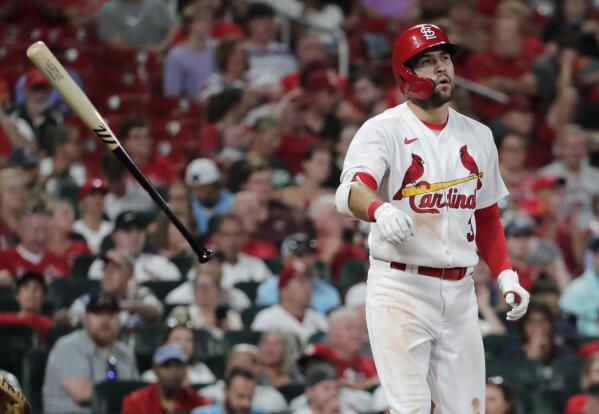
pixel 408 44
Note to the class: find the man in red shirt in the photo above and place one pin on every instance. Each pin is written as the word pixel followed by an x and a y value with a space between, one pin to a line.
pixel 31 254
pixel 168 394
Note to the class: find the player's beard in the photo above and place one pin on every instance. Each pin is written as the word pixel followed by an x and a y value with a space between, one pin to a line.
pixel 437 99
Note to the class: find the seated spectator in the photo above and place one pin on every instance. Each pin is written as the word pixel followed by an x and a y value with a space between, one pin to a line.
pixel 63 242
pixel 27 158
pixel 500 399
pixel 12 198
pixel 178 198
pixel 518 236
pixel 184 294
pixel 208 197
pixel 488 321
pixel 239 392
pixel 246 206
pixel 324 15
pixel 62 172
pixel 512 157
pixel 92 224
pixel 197 372
pixel 129 235
pixel 322 390
pixel 137 303
pixel 316 165
pixel 580 296
pixel 207 312
pixel 191 62
pixel 232 64
pixel 168 394
pixel 367 92
pixel 229 238
pixel 278 353
pixel 30 293
pixel 309 48
pixel 136 24
pixel 81 13
pixel 293 314
pixel 245 356
pixel 166 238
pixel 270 61
pixel 299 247
pixel 34 118
pixel 32 254
pixel 87 357
pixel 589 376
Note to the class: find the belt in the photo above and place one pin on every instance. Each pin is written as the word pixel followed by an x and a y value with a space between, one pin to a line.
pixel 451 273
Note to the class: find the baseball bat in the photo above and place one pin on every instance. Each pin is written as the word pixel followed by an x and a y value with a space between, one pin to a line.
pixel 47 63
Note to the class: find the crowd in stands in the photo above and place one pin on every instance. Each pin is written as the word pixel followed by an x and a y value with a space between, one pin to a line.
pixel 236 111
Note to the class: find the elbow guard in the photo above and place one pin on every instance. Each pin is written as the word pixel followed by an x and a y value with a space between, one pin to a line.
pixel 342 199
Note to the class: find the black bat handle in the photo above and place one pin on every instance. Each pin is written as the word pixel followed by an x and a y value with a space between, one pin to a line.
pixel 203 253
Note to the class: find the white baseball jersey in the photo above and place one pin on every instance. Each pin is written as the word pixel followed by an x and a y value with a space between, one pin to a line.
pixel 437 179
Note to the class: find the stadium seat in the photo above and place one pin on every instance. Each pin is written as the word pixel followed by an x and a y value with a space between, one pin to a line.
pixel 232 338
pixel 550 400
pixel 147 340
pixel 352 273
pixel 183 263
pixel 274 264
pixel 291 391
pixel 108 396
pixel 15 341
pixel 248 314
pixel 495 344
pixel 81 265
pixel 566 372
pixel 32 377
pixel 249 288
pixel 56 332
pixel 216 363
pixel 518 371
pixel 161 288
pixel 204 343
pixel 63 292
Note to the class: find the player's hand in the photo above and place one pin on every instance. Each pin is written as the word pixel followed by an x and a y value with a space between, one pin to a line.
pixel 395 225
pixel 515 295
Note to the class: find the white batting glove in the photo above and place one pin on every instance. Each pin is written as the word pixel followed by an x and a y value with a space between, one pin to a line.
pixel 395 225
pixel 515 295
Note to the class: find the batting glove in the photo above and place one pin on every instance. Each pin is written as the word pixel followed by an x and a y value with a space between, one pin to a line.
pixel 515 295
pixel 395 225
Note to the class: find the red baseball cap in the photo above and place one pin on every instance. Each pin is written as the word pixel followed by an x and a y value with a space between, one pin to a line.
pixel 290 272
pixel 35 77
pixel 548 181
pixel 93 185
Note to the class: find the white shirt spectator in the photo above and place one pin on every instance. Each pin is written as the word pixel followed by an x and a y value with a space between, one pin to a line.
pixel 265 399
pixel 269 64
pixel 276 317
pixel 147 267
pixel 352 401
pixel 92 237
pixel 183 295
pixel 247 269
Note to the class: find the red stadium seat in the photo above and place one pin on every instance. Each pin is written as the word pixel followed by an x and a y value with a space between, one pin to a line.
pixel 109 103
pixel 174 139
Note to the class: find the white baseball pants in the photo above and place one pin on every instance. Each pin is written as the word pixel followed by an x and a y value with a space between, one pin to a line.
pixel 425 341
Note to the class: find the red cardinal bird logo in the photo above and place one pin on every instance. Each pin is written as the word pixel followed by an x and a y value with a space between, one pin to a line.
pixel 414 172
pixel 470 164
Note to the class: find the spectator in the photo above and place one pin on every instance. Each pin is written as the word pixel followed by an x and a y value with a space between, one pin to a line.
pixel 245 356
pixel 293 314
pixel 86 357
pixel 512 156
pixel 300 247
pixel 92 225
pixel 168 240
pixel 62 241
pixel 184 294
pixel 208 197
pixel 137 303
pixel 197 372
pixel 232 63
pixel 240 388
pixel 324 15
pixel 27 158
pixel 207 312
pixel 278 353
pixel 500 398
pixel 178 198
pixel 136 24
pixel 322 390
pixel 12 198
pixel 269 60
pixel 81 13
pixel 61 171
pixel 129 235
pixel 191 62
pixel 229 238
pixel 579 298
pixel 309 49
pixel 246 206
pixel 589 376
pixel 34 119
pixel 367 91
pixel 489 322
pixel 168 394
pixel 518 235
pixel 316 167
pixel 32 254
pixel 30 293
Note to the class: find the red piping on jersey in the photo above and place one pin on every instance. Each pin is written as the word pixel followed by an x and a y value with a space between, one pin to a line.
pixel 490 239
pixel 366 179
pixel 434 127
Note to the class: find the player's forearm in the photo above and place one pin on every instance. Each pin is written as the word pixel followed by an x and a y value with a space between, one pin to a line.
pixel 361 198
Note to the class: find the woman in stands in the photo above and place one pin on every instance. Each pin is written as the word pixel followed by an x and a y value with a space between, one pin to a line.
pixel 500 398
pixel 278 353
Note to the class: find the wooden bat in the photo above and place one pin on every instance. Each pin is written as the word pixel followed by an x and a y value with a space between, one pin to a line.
pixel 47 63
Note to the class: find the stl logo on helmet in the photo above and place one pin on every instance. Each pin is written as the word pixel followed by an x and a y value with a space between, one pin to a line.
pixel 428 32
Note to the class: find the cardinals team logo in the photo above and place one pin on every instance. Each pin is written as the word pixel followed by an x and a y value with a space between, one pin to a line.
pixel 432 199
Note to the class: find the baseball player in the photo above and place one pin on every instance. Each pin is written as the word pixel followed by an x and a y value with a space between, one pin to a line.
pixel 427 178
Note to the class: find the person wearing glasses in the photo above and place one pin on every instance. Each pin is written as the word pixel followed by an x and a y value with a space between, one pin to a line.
pixel 86 357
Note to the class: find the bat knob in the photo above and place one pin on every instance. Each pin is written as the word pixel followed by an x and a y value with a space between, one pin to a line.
pixel 205 255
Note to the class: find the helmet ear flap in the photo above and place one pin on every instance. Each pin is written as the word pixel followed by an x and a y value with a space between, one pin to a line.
pixel 412 85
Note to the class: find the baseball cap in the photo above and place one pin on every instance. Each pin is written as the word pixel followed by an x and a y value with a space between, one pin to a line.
pixel 119 257
pixel 315 351
pixel 290 272
pixel 297 243
pixel 92 186
pixel 128 220
pixel 519 226
pixel 319 373
pixel 548 181
pixel 101 302
pixel 168 353
pixel 34 77
pixel 201 171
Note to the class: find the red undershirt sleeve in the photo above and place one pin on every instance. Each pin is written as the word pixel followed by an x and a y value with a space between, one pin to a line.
pixel 490 239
